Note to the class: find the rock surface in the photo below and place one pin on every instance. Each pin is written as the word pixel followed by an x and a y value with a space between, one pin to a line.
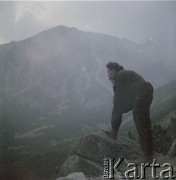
pixel 86 161
pixel 75 163
pixel 172 151
pixel 173 127
pixel 96 148
pixel 74 176
pixel 89 153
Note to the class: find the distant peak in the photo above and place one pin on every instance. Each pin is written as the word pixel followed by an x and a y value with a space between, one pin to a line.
pixel 65 27
pixel 61 28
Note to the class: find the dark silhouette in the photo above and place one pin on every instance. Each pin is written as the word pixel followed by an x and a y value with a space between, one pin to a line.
pixel 131 92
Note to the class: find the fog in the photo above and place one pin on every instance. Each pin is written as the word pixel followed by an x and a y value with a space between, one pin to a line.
pixel 54 84
pixel 136 21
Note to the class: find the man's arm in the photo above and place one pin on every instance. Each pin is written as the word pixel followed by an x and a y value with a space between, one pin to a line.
pixel 117 112
pixel 116 117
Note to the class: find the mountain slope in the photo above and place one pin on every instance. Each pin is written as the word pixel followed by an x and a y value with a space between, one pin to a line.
pixel 54 88
pixel 164 105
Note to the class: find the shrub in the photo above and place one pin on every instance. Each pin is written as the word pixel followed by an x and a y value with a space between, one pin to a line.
pixel 162 139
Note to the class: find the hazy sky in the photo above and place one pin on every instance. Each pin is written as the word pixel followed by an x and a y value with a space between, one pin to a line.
pixel 137 21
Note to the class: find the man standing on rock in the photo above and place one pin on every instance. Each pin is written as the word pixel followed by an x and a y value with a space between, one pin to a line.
pixel 131 92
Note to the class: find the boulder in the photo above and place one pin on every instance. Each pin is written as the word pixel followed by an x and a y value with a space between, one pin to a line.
pixel 74 176
pixel 75 163
pixel 81 176
pixel 173 127
pixel 172 151
pixel 96 148
pixel 90 152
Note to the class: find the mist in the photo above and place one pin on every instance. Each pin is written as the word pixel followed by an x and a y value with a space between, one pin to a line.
pixel 54 84
pixel 136 21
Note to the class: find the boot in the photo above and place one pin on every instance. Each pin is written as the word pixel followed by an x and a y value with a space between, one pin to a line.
pixel 112 133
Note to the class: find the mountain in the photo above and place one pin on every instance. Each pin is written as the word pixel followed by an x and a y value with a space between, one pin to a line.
pixel 65 62
pixel 164 105
pixel 54 88
pixel 62 71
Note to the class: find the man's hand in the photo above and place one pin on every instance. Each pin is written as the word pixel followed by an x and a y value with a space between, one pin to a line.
pixel 112 133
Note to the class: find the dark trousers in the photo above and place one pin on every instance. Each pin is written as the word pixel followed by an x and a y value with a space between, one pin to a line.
pixel 141 115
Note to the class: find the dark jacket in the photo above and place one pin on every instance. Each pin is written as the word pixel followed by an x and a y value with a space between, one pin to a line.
pixel 129 85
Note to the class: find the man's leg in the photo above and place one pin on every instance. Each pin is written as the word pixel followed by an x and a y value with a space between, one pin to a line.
pixel 141 114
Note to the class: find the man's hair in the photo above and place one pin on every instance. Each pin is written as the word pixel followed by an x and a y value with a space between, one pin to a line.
pixel 114 65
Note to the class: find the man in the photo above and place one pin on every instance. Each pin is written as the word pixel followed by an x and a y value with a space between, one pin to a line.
pixel 131 92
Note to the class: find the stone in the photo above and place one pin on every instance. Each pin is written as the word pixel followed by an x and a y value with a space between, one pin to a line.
pixel 173 127
pixel 172 151
pixel 75 163
pixel 74 176
pixel 96 148
pixel 90 152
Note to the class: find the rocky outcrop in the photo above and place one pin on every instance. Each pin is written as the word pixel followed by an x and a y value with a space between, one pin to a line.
pixel 81 176
pixel 89 153
pixel 172 151
pixel 173 127
pixel 96 148
pixel 75 163
pixel 74 176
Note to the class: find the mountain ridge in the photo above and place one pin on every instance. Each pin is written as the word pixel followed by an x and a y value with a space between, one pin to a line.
pixel 62 28
pixel 54 88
